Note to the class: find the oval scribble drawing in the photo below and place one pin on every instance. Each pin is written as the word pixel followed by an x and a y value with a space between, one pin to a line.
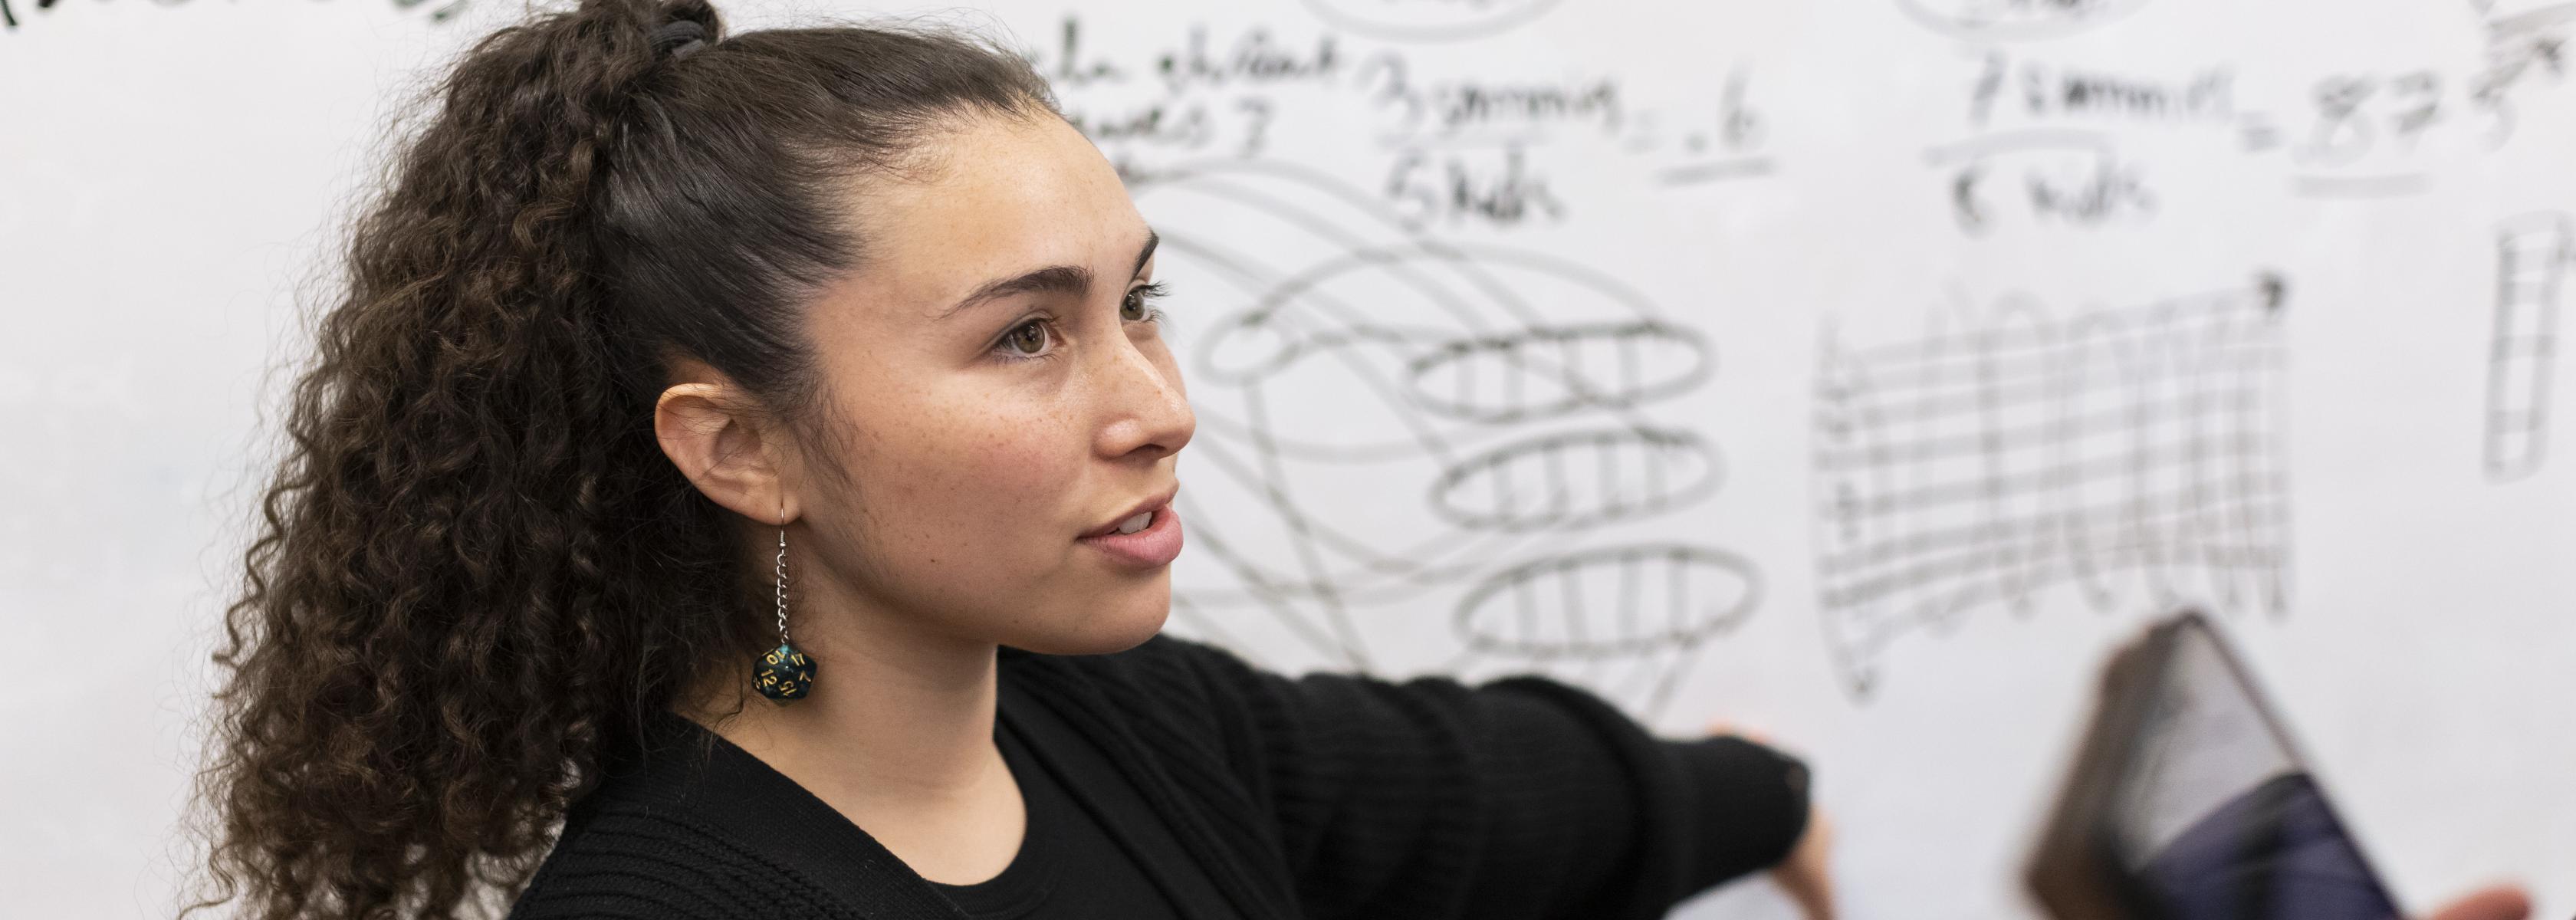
pixel 1544 371
pixel 1618 600
pixel 2015 20
pixel 1428 20
pixel 1576 479
pixel 1250 347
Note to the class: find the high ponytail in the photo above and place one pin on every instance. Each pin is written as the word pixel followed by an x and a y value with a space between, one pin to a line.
pixel 475 572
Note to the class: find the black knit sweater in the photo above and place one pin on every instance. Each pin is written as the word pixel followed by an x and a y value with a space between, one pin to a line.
pixel 1254 795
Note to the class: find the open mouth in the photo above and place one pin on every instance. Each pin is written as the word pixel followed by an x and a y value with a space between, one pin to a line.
pixel 1146 539
pixel 1133 524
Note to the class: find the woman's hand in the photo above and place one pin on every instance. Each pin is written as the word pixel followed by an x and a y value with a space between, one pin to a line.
pixel 1805 879
pixel 1805 876
pixel 2503 902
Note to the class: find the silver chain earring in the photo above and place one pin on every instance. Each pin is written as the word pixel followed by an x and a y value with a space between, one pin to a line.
pixel 785 674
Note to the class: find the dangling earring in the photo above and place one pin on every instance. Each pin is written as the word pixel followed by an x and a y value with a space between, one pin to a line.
pixel 785 674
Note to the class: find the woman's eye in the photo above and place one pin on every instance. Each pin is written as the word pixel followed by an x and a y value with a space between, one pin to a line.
pixel 1136 308
pixel 1027 340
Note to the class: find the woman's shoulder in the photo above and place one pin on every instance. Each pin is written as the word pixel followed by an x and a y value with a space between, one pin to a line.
pixel 683 825
pixel 617 856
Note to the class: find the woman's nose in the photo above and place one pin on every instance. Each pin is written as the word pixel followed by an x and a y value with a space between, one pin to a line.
pixel 1148 409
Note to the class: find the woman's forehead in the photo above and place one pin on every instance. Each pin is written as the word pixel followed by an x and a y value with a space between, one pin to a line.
pixel 1003 196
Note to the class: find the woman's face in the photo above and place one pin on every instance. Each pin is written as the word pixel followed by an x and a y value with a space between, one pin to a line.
pixel 1004 390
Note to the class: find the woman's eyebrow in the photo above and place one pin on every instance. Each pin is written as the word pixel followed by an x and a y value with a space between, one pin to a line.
pixel 1152 239
pixel 1053 279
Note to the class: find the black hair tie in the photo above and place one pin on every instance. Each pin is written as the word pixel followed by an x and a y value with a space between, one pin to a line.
pixel 679 38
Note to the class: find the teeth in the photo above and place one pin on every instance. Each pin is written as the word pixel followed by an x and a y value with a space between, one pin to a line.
pixel 1134 524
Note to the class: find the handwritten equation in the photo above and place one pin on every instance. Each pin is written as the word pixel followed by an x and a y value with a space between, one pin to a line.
pixel 2051 142
pixel 1452 149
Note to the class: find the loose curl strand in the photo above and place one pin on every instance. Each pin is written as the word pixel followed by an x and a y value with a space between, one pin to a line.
pixel 475 573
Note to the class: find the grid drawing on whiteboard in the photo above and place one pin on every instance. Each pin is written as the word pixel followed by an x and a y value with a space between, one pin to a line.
pixel 2126 457
pixel 2532 253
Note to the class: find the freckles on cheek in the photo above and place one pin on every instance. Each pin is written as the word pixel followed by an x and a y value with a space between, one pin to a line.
pixel 1002 475
pixel 1017 474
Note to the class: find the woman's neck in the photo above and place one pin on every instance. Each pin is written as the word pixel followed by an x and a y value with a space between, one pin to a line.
pixel 896 734
pixel 897 726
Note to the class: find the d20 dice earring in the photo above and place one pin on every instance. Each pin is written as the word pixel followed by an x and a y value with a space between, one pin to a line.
pixel 784 674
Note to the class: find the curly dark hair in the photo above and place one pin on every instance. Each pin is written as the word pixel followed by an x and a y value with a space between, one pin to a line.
pixel 476 573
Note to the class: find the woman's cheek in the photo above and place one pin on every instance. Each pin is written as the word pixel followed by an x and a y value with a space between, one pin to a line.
pixel 1023 476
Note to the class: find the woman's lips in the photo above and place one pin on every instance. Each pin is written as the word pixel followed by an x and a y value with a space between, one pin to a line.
pixel 1153 547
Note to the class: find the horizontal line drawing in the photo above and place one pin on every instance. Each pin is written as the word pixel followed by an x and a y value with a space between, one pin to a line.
pixel 2131 455
pixel 1717 171
pixel 2087 140
pixel 2361 186
pixel 1428 20
pixel 2532 254
pixel 2015 20
pixel 1399 426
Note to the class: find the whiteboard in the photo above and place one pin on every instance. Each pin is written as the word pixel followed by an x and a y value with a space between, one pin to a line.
pixel 1857 370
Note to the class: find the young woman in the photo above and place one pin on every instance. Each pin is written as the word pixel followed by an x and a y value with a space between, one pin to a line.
pixel 737 482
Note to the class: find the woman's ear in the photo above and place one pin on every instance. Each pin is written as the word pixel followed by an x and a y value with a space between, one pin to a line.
pixel 729 454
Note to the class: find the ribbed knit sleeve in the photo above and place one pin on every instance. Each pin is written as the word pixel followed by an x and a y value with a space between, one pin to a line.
pixel 1520 797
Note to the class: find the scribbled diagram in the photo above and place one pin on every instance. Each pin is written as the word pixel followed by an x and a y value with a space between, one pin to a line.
pixel 10 20
pixel 1397 426
pixel 2133 455
pixel 2532 255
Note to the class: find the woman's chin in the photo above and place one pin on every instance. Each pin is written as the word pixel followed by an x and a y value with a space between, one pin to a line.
pixel 1107 628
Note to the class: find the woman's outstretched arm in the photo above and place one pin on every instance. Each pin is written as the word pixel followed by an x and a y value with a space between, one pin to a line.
pixel 1521 797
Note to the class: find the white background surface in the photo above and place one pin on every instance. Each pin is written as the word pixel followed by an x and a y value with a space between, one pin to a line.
pixel 169 175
